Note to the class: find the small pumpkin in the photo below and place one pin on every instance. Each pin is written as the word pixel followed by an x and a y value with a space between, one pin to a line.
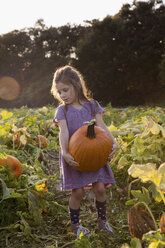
pixel 162 223
pixel 14 163
pixel 41 141
pixel 90 146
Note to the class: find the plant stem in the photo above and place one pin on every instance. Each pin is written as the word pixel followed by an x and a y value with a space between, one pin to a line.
pixel 129 187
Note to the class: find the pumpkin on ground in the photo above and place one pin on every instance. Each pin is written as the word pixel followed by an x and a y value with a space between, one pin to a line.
pixel 41 141
pixel 162 223
pixel 14 163
pixel 140 221
pixel 90 146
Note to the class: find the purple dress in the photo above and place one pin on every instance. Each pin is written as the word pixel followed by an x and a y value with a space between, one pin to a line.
pixel 69 177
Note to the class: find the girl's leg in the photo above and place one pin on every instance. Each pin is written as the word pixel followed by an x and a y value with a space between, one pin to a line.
pixel 75 198
pixel 101 204
pixel 74 205
pixel 74 210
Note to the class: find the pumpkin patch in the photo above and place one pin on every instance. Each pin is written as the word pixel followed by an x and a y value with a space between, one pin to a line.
pixel 90 146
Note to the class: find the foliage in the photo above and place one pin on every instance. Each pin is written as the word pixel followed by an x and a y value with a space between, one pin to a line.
pixel 33 211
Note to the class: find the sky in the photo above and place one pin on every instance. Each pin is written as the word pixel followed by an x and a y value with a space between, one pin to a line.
pixel 20 14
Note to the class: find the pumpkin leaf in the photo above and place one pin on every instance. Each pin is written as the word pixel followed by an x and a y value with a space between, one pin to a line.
pixel 142 196
pixel 135 243
pixel 144 171
pixel 112 127
pixel 155 194
pixel 6 191
pixel 6 115
pixel 155 238
pixel 125 246
pixel 163 131
pixel 23 139
pixel 161 175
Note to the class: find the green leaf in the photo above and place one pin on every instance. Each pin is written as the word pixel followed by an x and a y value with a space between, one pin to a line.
pixel 153 245
pixel 161 175
pixel 6 191
pixel 135 243
pixel 122 162
pixel 142 196
pixel 155 194
pixel 131 202
pixel 125 246
pixel 146 195
pixel 144 171
pixel 154 236
pixel 6 115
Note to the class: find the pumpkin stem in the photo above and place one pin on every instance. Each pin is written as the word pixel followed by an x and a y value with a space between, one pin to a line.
pixel 90 130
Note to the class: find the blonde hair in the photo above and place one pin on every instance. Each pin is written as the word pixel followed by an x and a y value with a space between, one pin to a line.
pixel 70 75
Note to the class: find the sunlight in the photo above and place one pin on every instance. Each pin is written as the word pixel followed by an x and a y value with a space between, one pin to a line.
pixel 9 88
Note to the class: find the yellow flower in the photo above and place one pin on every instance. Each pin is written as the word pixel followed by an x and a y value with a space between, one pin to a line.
pixel 41 187
pixel 81 235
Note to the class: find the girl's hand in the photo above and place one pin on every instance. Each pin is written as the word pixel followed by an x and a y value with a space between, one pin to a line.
pixel 70 160
pixel 114 148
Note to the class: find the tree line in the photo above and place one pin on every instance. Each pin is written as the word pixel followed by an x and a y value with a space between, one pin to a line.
pixel 122 57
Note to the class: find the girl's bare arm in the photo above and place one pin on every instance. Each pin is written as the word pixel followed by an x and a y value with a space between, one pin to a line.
pixel 64 143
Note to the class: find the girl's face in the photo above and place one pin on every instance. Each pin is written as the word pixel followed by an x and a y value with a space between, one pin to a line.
pixel 66 92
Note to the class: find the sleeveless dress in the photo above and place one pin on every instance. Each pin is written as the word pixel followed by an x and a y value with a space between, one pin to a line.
pixel 69 177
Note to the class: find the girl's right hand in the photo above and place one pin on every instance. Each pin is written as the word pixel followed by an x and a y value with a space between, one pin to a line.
pixel 70 160
pixel 114 148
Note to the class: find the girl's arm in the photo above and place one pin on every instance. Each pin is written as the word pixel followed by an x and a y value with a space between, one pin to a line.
pixel 64 142
pixel 100 123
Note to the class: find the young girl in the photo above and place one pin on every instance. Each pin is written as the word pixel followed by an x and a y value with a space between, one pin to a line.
pixel 76 109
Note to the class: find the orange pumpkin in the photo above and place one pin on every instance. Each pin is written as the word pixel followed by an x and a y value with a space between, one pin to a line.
pixel 162 223
pixel 14 163
pixel 90 146
pixel 42 140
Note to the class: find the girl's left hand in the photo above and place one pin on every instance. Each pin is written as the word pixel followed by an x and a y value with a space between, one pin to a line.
pixel 114 148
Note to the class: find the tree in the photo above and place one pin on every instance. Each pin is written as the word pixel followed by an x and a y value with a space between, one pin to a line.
pixel 120 55
pixel 32 56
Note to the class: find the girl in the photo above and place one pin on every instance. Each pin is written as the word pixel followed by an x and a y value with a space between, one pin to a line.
pixel 76 108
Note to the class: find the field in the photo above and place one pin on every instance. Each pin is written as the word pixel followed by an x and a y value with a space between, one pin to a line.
pixel 33 210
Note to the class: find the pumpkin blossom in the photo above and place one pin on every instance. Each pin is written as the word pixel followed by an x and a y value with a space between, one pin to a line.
pixel 41 187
